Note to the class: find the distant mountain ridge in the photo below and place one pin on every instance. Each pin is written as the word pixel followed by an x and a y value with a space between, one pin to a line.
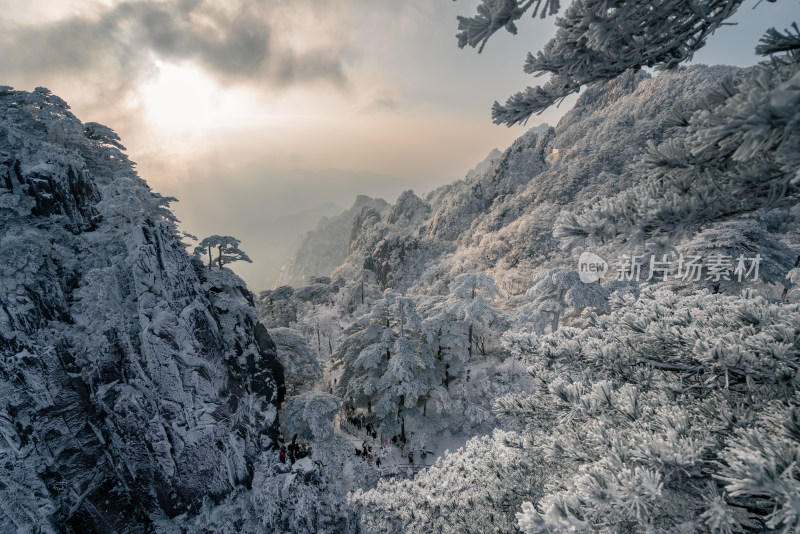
pixel 481 167
pixel 326 247
pixel 282 236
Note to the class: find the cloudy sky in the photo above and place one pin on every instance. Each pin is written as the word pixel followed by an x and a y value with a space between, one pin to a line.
pixel 250 111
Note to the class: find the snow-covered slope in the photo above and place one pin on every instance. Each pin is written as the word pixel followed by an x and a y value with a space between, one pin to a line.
pixel 135 383
pixel 500 221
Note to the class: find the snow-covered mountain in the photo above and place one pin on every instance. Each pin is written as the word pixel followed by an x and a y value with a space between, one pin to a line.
pixel 136 383
pixel 325 248
pixel 501 220
pixel 444 302
pixel 481 167
pixel 141 392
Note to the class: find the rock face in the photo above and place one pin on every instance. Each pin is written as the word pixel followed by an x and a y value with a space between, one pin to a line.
pixel 134 382
pixel 325 248
pixel 379 245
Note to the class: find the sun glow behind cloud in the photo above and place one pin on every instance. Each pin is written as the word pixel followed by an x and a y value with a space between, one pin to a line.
pixel 182 99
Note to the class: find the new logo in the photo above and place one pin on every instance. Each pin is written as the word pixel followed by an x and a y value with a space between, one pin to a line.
pixel 591 267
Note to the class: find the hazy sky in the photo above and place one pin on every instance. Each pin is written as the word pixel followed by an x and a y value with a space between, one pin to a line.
pixel 252 110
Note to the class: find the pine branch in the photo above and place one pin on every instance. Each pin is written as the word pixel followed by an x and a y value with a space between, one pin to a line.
pixel 774 41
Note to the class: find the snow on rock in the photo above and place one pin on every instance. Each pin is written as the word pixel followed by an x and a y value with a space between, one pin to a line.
pixel 304 465
pixel 135 382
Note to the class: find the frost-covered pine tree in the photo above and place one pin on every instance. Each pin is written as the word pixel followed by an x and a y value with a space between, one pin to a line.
pixel 311 499
pixel 596 41
pixel 363 351
pixel 227 248
pixel 448 338
pixel 670 414
pixel 358 293
pixel 310 415
pixel 322 326
pixel 476 489
pixel 555 291
pixel 470 301
pixel 388 366
pixel 740 149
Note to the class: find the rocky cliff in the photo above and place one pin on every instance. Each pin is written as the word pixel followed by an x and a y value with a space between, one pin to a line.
pixel 134 382
pixel 325 248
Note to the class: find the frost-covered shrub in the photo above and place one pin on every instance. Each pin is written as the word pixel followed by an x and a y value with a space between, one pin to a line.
pixel 670 414
pixel 474 489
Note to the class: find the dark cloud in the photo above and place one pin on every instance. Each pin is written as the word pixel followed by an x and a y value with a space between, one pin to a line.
pixel 233 41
